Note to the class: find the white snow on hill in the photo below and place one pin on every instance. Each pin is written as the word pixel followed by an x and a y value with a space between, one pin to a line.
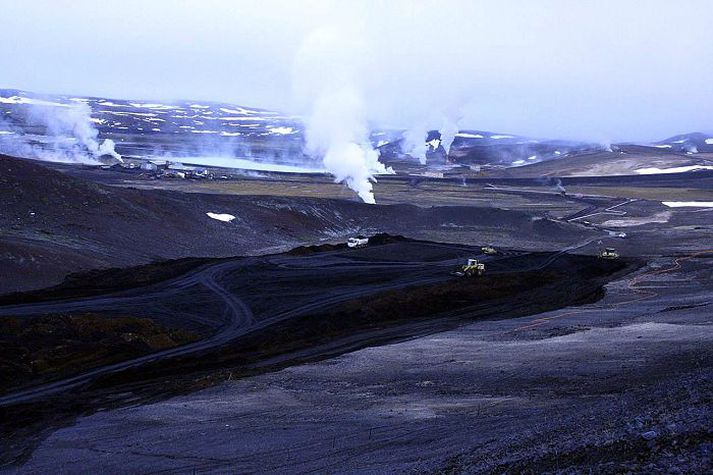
pixel 29 101
pixel 656 171
pixel 226 218
pixel 688 204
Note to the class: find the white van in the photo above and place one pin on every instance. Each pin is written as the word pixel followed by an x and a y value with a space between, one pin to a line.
pixel 354 242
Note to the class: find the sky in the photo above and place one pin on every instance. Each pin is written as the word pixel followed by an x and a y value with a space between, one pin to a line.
pixel 596 70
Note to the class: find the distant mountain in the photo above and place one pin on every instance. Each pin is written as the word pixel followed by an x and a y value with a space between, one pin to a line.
pixel 695 142
pixel 479 147
pixel 158 128
pixel 150 129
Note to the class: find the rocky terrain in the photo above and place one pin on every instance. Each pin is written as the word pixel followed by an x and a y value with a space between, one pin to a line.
pixel 622 384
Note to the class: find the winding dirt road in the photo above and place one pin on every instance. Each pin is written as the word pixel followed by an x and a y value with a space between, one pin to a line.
pixel 233 317
pixel 238 320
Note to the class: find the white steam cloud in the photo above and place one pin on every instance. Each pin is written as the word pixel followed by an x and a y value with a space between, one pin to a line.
pixel 414 143
pixel 327 81
pixel 414 139
pixel 61 132
pixel 448 131
pixel 336 130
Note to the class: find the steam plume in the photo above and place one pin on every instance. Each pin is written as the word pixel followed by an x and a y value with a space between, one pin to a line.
pixel 448 132
pixel 63 133
pixel 327 80
pixel 337 131
pixel 414 143
pixel 559 186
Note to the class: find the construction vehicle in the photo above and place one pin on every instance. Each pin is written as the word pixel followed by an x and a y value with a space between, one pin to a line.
pixel 488 250
pixel 471 268
pixel 608 253
pixel 356 242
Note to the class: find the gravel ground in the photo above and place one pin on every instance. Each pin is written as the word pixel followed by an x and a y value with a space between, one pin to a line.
pixel 621 385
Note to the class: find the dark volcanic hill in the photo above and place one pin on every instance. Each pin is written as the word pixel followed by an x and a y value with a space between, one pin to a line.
pixel 52 224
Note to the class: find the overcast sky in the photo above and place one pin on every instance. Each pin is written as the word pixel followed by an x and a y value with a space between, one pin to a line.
pixel 618 70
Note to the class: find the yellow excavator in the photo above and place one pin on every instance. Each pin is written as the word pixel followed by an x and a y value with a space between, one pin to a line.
pixel 608 253
pixel 471 268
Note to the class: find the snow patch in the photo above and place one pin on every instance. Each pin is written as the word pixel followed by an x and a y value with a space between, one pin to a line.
pixel 662 146
pixel 656 171
pixel 688 204
pixel 28 100
pixel 434 143
pixel 466 135
pixel 239 110
pixel 709 141
pixel 226 218
pixel 498 137
pixel 282 130
pixel 111 104
pixel 153 106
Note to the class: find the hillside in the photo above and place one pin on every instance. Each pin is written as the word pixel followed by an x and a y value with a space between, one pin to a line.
pixel 54 224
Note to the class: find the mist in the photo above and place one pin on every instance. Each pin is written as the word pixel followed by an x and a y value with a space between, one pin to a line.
pixel 605 71
pixel 64 133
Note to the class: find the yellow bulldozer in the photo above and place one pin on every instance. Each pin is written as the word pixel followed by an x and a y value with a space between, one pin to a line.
pixel 471 268
pixel 608 253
